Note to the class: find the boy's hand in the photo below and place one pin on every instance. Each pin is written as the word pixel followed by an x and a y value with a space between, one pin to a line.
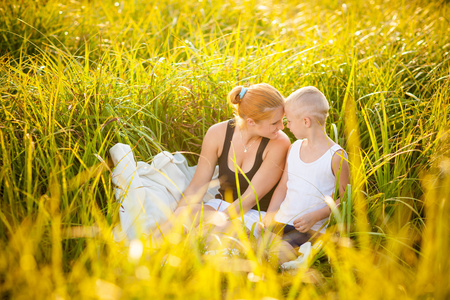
pixel 305 222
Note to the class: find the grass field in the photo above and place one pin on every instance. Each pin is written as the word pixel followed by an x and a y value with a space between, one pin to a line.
pixel 76 77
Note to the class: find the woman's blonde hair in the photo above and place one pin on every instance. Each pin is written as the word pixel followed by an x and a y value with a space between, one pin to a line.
pixel 258 102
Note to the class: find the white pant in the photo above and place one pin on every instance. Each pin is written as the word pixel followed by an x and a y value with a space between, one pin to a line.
pixel 149 193
pixel 250 218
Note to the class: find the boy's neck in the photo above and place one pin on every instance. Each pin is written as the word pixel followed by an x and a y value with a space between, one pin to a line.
pixel 314 146
pixel 318 139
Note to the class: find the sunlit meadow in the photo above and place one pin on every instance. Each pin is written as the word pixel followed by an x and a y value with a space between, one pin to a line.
pixel 77 77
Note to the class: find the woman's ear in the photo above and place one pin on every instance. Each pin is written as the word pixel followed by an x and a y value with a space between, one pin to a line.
pixel 250 122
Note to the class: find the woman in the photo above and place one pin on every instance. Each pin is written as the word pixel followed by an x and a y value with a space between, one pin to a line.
pixel 252 143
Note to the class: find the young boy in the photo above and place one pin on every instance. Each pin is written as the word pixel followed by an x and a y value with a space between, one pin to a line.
pixel 314 165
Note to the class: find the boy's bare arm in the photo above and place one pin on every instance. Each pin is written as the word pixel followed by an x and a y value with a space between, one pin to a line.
pixel 339 165
pixel 306 221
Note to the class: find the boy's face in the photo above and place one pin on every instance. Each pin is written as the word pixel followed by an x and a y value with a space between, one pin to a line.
pixel 294 122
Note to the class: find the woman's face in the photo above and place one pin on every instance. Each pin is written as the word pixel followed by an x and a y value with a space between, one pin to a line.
pixel 270 127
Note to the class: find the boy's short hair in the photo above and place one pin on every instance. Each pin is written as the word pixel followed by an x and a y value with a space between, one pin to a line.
pixel 310 101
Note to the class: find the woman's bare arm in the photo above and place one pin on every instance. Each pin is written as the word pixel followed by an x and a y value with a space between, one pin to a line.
pixel 277 198
pixel 267 175
pixel 207 162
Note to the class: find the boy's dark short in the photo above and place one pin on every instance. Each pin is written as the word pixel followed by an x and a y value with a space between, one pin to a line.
pixel 291 235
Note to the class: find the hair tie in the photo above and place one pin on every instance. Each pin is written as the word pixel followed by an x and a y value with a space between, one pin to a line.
pixel 242 93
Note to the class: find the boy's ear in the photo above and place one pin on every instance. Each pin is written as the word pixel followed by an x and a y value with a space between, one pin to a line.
pixel 307 121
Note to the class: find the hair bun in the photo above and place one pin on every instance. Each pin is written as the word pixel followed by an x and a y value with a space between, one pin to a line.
pixel 260 101
pixel 233 96
pixel 236 99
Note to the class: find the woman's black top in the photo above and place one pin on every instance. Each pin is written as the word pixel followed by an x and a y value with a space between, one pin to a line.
pixel 227 177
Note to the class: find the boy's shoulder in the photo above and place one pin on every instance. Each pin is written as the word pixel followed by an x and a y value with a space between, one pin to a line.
pixel 338 152
pixel 298 142
pixel 335 147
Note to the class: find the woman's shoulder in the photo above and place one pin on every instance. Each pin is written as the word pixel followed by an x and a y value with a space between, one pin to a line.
pixel 214 137
pixel 217 132
pixel 281 139
pixel 280 143
pixel 218 128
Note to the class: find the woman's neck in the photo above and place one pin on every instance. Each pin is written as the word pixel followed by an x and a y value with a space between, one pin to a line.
pixel 247 135
pixel 247 138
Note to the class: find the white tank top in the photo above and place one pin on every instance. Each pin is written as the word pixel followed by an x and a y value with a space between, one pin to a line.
pixel 307 186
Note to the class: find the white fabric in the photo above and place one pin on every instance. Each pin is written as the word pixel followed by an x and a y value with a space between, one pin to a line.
pixel 149 193
pixel 302 260
pixel 308 185
pixel 306 253
pixel 250 218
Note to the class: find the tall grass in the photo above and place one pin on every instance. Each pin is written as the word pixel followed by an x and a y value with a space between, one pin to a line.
pixel 78 77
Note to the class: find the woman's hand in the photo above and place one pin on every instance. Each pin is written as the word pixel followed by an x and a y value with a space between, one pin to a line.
pixel 265 223
pixel 267 220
